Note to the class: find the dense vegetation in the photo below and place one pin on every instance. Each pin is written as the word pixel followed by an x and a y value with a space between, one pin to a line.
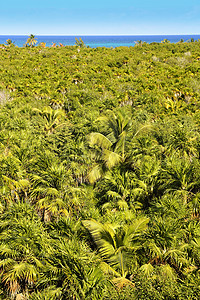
pixel 100 172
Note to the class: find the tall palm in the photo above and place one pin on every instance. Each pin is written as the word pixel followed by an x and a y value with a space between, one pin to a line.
pixel 31 41
pixel 10 42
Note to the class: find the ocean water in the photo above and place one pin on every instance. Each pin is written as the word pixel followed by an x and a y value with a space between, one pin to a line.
pixel 98 41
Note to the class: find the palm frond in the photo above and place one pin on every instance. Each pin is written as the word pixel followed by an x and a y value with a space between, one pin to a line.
pixel 95 173
pixel 110 158
pixel 167 272
pixel 107 269
pixel 136 229
pixel 147 269
pixel 104 237
pixel 96 138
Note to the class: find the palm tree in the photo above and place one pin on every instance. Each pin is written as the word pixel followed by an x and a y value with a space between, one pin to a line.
pixel 31 41
pixel 22 249
pixel 10 42
pixel 180 176
pixel 52 118
pixel 174 255
pixel 167 239
pixel 75 270
pixel 184 141
pixel 49 189
pixel 79 159
pixel 165 41
pixel 139 43
pixel 116 244
pixel 16 189
pixel 117 187
pixel 144 145
pixel 80 43
pixel 147 179
pixel 109 149
pixel 43 45
pixel 119 125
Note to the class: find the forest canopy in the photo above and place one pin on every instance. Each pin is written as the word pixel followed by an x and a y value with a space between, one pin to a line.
pixel 100 172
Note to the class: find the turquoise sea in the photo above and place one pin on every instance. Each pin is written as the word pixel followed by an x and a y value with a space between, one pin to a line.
pixel 98 41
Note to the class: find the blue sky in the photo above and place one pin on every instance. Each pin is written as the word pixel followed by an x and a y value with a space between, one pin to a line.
pixel 68 17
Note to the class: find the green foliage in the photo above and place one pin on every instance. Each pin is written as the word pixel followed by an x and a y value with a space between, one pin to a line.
pixel 99 171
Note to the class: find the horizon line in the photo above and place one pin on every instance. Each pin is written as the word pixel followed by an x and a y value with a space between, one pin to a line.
pixel 157 34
